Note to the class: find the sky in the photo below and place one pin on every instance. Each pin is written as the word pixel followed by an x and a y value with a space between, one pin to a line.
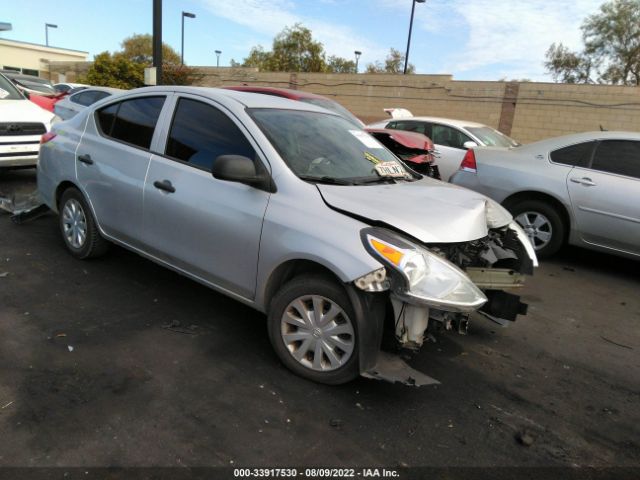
pixel 470 39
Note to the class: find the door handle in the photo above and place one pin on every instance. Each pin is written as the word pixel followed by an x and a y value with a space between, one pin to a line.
pixel 86 158
pixel 586 181
pixel 164 185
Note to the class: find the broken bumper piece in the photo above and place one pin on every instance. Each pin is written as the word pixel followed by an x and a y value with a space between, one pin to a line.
pixel 395 370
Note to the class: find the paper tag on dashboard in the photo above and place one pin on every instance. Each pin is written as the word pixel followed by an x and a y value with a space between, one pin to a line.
pixel 3 93
pixel 390 169
pixel 366 139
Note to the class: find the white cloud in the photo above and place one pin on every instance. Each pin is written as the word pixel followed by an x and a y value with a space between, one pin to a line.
pixel 269 18
pixel 517 33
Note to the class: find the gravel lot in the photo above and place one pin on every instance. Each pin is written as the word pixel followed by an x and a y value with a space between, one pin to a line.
pixel 89 376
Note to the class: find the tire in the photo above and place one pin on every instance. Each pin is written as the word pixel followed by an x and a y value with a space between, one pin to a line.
pixel 540 220
pixel 74 218
pixel 331 357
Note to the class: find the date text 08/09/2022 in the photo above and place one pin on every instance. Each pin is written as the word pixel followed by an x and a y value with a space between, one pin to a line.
pixel 315 473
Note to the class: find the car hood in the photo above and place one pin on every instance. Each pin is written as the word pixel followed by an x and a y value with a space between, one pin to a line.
pixel 428 210
pixel 23 111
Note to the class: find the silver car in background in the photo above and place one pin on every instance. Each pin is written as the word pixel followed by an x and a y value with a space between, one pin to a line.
pixel 583 189
pixel 292 210
pixel 76 102
pixel 452 138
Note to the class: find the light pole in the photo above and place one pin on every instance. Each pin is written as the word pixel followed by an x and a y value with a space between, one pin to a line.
pixel 157 39
pixel 357 54
pixel 47 26
pixel 406 57
pixel 218 52
pixel 189 15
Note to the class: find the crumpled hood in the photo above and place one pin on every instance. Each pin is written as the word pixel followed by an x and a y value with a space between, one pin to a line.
pixel 23 111
pixel 429 210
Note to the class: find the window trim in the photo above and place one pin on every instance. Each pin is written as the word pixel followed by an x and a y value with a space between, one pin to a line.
pixel 119 102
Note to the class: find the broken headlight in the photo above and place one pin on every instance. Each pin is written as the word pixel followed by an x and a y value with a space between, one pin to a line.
pixel 424 276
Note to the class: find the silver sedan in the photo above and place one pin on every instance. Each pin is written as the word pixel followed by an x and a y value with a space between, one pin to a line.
pixel 583 189
pixel 292 210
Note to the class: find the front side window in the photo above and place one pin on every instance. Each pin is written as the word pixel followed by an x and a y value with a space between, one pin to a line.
pixel 412 126
pixel 131 121
pixel 577 155
pixel 325 147
pixel 618 156
pixel 448 137
pixel 200 133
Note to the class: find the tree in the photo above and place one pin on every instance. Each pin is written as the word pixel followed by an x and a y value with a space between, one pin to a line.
pixel 394 63
pixel 125 69
pixel 139 48
pixel 293 50
pixel 340 65
pixel 115 71
pixel 612 48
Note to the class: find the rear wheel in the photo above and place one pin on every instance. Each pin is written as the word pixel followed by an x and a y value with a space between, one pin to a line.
pixel 543 225
pixel 313 330
pixel 78 227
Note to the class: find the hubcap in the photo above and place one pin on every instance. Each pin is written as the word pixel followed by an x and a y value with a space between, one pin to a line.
pixel 317 333
pixel 74 223
pixel 537 227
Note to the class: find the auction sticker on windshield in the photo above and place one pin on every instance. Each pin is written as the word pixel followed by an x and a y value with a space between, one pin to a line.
pixel 390 169
pixel 366 139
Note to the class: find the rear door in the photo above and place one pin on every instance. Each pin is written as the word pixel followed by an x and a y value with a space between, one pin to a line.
pixel 112 161
pixel 208 227
pixel 450 151
pixel 606 196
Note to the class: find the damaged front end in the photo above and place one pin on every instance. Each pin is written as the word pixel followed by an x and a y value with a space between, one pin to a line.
pixel 435 287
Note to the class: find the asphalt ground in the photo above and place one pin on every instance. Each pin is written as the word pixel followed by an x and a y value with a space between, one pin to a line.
pixel 120 362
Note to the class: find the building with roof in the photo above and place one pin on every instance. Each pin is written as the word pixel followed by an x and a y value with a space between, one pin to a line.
pixel 35 59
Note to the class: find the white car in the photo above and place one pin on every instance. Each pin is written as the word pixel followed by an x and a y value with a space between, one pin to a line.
pixel 22 123
pixel 69 106
pixel 65 87
pixel 452 138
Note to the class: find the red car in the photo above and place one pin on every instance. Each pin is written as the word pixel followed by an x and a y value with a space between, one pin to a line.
pixel 414 148
pixel 47 102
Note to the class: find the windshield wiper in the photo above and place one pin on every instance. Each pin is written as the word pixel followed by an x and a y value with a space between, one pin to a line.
pixel 325 179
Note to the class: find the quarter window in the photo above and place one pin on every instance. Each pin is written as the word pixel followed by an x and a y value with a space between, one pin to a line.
pixel 618 156
pixel 200 133
pixel 574 155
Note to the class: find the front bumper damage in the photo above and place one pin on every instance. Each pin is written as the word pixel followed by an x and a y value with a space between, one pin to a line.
pixel 495 263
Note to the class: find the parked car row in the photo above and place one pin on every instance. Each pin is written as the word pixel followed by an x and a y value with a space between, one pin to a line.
pixel 289 208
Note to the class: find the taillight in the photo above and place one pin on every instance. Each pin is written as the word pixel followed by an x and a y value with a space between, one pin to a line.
pixel 469 162
pixel 47 137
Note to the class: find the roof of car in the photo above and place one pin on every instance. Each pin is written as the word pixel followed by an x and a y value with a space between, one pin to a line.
pixel 281 92
pixel 449 121
pixel 249 100
pixel 573 138
pixel 99 89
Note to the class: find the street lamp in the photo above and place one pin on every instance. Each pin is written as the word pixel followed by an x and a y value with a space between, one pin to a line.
pixel 189 15
pixel 218 52
pixel 357 53
pixel 47 26
pixel 406 57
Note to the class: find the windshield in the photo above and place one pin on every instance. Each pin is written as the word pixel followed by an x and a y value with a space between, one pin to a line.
pixel 8 91
pixel 334 107
pixel 325 147
pixel 492 138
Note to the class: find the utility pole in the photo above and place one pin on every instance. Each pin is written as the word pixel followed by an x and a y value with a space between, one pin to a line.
pixel 406 57
pixel 157 39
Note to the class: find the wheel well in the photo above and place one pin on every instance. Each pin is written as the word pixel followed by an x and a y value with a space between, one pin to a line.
pixel 290 269
pixel 543 197
pixel 61 189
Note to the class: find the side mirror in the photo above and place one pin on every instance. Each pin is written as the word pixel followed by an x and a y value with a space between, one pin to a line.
pixel 240 169
pixel 469 144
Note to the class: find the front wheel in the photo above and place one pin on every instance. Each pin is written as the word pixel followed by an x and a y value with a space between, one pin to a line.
pixel 543 225
pixel 313 330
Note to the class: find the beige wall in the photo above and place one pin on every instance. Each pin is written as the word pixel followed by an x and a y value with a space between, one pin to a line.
pixel 35 57
pixel 542 110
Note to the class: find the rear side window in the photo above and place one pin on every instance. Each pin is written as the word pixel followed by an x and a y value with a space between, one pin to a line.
pixel 618 156
pixel 412 126
pixel 84 98
pixel 447 136
pixel 574 155
pixel 200 133
pixel 135 120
